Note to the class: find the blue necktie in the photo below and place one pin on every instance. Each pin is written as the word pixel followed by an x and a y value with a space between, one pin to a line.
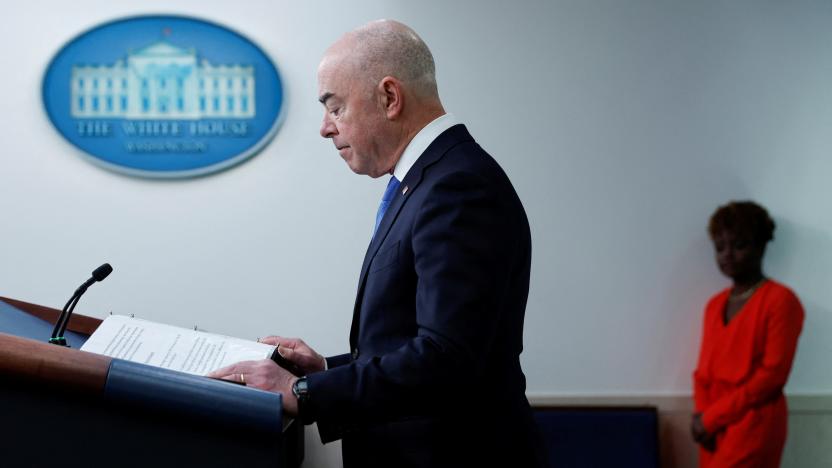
pixel 389 193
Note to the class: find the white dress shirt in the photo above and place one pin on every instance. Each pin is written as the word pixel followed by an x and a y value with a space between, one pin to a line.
pixel 420 143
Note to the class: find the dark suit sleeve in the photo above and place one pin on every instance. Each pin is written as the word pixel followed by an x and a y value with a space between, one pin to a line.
pixel 465 236
pixel 336 361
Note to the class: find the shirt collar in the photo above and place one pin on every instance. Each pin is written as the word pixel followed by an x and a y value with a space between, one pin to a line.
pixel 420 143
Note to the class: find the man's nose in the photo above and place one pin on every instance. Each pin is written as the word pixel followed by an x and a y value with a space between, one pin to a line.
pixel 327 127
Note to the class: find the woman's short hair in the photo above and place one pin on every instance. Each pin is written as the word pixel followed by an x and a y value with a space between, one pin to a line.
pixel 744 218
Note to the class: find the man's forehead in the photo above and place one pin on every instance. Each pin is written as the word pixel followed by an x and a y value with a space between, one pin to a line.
pixel 333 78
pixel 328 87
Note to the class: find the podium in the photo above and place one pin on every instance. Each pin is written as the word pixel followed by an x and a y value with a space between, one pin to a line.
pixel 64 407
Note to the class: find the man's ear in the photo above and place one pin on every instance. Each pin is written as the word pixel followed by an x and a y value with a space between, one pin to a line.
pixel 392 96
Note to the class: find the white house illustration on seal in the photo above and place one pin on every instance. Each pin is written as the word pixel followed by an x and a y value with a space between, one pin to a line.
pixel 162 81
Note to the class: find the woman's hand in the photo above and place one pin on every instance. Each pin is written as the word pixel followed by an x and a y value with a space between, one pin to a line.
pixel 701 435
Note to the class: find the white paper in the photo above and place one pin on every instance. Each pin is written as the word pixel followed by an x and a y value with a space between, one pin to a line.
pixel 180 349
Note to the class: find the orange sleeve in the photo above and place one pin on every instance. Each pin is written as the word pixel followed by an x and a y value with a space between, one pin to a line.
pixel 700 384
pixel 783 326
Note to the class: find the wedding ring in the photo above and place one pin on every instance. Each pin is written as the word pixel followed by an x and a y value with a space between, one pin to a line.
pixel 243 378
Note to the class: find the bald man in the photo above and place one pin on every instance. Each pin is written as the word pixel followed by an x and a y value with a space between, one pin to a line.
pixel 433 378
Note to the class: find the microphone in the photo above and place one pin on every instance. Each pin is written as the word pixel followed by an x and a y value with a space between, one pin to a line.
pixel 63 320
pixel 102 272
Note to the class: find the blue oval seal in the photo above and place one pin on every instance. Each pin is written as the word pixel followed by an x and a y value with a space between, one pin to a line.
pixel 164 96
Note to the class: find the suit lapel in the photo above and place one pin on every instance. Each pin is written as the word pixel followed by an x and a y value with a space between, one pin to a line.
pixel 410 184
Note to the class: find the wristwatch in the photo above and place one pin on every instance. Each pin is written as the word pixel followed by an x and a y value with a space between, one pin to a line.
pixel 301 391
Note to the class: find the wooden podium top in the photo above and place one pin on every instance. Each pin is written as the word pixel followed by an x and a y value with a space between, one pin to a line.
pixel 32 360
pixel 77 323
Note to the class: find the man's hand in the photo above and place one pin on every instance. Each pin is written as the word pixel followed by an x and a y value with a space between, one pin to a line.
pixel 298 353
pixel 265 375
pixel 701 435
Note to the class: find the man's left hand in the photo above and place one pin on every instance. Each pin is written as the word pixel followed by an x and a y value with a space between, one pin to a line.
pixel 265 375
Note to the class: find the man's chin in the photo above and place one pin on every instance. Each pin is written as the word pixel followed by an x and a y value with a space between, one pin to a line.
pixel 363 170
pixel 354 168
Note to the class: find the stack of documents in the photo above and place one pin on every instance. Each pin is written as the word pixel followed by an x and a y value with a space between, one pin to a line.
pixel 180 349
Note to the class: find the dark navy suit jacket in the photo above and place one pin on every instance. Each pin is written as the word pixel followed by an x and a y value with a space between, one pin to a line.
pixel 434 375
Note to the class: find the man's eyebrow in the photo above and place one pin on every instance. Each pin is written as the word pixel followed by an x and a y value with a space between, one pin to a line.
pixel 324 97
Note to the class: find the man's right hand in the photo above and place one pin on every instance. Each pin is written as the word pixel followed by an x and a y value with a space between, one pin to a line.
pixel 297 352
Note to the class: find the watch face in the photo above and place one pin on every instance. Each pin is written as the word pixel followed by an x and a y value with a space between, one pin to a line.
pixel 299 388
pixel 301 391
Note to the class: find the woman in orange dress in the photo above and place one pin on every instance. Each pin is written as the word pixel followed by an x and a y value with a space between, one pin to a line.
pixel 749 338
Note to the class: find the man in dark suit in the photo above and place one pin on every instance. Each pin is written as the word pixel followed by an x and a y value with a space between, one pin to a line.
pixel 433 378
